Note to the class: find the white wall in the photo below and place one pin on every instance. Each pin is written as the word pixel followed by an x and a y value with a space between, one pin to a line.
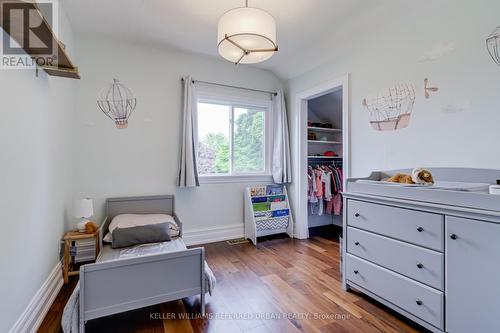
pixel 143 159
pixel 35 184
pixel 384 49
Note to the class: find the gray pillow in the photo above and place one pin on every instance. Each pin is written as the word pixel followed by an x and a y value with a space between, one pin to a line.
pixel 152 233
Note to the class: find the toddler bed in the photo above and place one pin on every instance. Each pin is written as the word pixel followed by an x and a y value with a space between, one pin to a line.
pixel 137 276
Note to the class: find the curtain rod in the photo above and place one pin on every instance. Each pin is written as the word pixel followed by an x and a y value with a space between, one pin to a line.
pixel 236 87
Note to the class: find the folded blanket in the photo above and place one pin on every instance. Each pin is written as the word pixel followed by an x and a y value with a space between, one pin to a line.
pixel 71 315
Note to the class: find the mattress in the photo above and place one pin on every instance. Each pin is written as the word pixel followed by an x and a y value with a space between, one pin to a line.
pixel 177 244
pixel 107 253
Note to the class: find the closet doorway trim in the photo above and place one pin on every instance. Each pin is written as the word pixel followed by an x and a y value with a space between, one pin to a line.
pixel 300 159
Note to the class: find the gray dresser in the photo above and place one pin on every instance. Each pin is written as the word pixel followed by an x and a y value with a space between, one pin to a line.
pixel 432 255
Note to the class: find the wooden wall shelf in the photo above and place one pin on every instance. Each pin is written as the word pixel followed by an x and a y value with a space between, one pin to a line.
pixel 62 67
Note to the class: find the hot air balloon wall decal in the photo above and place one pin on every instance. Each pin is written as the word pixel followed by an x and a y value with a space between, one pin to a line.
pixel 428 88
pixel 391 109
pixel 493 45
pixel 117 102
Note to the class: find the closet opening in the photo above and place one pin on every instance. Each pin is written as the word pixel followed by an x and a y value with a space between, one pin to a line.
pixel 323 162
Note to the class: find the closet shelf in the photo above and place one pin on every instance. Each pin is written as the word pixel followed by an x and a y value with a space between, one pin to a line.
pixel 322 129
pixel 325 142
pixel 324 157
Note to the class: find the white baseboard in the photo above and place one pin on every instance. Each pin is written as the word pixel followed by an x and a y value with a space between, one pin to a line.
pixel 213 234
pixel 33 315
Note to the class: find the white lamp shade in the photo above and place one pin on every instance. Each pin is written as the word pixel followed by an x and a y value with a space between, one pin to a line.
pixel 83 208
pixel 252 29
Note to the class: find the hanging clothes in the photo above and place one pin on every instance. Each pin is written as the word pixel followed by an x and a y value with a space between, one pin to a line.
pixel 311 191
pixel 337 198
pixel 324 189
pixel 319 189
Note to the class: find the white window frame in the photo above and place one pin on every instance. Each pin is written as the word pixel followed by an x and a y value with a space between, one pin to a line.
pixel 235 102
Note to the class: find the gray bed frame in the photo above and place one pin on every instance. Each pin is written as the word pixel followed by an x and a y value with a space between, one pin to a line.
pixel 122 285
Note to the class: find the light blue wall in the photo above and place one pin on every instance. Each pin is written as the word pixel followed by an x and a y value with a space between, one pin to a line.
pixel 144 158
pixel 457 125
pixel 35 179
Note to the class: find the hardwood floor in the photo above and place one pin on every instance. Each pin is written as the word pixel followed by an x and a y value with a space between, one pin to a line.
pixel 283 285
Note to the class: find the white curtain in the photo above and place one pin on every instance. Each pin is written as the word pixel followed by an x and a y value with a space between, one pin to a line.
pixel 188 173
pixel 281 164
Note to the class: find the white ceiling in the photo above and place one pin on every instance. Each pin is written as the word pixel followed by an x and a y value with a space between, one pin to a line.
pixel 192 24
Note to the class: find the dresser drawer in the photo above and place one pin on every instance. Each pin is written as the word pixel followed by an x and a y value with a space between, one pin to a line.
pixel 420 228
pixel 421 301
pixel 423 265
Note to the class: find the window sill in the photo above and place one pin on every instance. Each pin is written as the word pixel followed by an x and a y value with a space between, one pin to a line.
pixel 236 179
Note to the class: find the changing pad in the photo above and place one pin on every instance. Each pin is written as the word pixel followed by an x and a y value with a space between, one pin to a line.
pixel 438 185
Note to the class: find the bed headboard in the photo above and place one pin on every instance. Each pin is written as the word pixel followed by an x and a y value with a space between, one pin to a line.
pixel 156 204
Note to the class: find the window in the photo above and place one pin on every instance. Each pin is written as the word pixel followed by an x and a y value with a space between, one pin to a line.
pixel 232 139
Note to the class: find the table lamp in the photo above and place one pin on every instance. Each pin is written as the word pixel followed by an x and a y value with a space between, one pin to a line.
pixel 83 209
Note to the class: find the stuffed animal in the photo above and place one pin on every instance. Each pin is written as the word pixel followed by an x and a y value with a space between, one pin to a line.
pixel 400 178
pixel 418 176
pixel 90 227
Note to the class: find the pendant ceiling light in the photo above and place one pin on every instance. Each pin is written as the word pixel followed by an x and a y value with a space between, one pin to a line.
pixel 247 35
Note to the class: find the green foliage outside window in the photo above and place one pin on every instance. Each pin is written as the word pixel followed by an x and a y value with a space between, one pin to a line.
pixel 219 144
pixel 248 146
pixel 249 142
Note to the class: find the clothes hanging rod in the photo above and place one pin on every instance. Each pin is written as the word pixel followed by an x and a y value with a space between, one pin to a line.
pixel 235 87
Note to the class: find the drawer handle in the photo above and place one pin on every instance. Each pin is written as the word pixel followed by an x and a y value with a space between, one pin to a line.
pixel 356 243
pixel 453 236
pixel 357 215
pixel 419 265
pixel 356 272
pixel 419 302
pixel 420 229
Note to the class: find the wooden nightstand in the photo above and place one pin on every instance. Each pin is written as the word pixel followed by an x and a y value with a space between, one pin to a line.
pixel 69 238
